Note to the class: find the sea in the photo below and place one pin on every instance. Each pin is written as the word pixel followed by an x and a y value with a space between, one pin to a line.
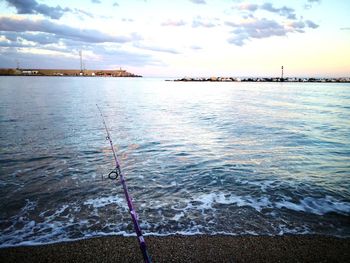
pixel 208 158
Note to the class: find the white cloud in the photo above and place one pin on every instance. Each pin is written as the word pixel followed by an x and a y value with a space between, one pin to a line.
pixel 247 7
pixel 62 31
pixel 202 22
pixel 257 28
pixel 33 7
pixel 268 7
pixel 195 47
pixel 156 48
pixel 198 1
pixel 310 3
pixel 171 22
pixel 283 11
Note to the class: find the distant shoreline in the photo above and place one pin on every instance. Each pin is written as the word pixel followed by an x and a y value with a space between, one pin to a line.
pixel 250 79
pixel 67 73
pixel 71 76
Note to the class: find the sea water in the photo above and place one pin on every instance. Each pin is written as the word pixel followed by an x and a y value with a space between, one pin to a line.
pixel 198 157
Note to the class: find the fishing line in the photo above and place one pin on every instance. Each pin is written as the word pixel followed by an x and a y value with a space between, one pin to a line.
pixel 114 175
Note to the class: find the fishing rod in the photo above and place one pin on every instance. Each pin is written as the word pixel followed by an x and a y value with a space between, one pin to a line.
pixel 118 173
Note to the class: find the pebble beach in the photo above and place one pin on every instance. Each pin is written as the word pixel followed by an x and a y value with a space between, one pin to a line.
pixel 199 248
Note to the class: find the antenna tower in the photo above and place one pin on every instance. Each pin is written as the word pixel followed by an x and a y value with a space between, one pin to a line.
pixel 81 61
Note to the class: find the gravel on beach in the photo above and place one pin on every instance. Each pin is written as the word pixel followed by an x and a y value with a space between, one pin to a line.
pixel 198 248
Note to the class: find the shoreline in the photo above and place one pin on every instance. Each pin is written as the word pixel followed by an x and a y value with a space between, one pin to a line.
pixel 196 248
pixel 264 79
pixel 67 72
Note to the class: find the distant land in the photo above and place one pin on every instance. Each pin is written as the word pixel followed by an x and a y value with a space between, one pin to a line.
pixel 256 79
pixel 66 72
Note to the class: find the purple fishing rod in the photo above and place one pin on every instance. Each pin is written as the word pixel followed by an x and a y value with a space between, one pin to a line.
pixel 117 171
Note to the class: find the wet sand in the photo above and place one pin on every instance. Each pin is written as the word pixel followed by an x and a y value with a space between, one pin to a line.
pixel 199 248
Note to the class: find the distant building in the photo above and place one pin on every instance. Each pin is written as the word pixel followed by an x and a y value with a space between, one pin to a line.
pixel 30 72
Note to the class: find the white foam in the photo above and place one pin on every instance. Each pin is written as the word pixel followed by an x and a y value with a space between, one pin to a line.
pixel 299 230
pixel 58 212
pixel 318 206
pixel 104 201
pixel 178 216
pixel 56 226
pixel 208 200
pixel 30 205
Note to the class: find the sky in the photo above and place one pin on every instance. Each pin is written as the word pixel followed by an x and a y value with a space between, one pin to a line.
pixel 197 38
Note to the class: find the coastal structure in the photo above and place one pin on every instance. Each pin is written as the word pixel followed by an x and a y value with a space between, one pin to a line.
pixel 81 61
pixel 265 79
pixel 66 72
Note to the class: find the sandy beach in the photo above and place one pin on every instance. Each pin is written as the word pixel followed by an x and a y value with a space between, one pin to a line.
pixel 199 248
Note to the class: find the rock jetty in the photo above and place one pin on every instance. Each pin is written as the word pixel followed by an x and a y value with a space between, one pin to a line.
pixel 251 79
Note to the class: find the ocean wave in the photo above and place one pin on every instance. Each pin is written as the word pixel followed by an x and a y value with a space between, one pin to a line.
pixel 318 206
pixel 106 200
pixel 200 215
pixel 314 205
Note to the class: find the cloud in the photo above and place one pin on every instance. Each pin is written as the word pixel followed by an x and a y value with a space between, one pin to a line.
pixel 201 22
pixel 257 28
pixel 157 49
pixel 310 3
pixel 311 24
pixel 15 38
pixel 113 55
pixel 127 20
pixel 283 11
pixel 54 55
pixel 32 7
pixel 99 57
pixel 34 60
pixel 83 12
pixel 264 28
pixel 170 22
pixel 248 7
pixel 194 47
pixel 297 26
pixel 198 1
pixel 96 1
pixel 115 4
pixel 62 31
